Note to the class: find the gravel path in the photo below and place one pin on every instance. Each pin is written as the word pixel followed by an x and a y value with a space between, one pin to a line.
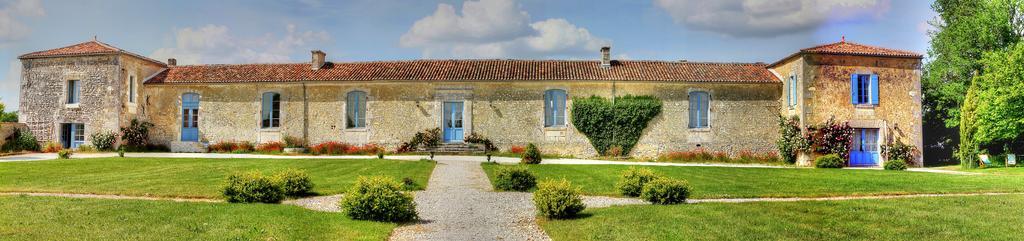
pixel 459 205
pixel 318 203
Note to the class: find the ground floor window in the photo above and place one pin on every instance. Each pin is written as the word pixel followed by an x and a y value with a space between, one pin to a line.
pixel 72 135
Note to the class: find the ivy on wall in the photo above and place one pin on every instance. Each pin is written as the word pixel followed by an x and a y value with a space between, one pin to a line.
pixel 618 123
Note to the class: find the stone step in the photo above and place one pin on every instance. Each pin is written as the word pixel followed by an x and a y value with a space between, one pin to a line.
pixel 456 148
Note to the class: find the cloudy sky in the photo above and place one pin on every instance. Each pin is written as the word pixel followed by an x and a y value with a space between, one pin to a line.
pixel 206 32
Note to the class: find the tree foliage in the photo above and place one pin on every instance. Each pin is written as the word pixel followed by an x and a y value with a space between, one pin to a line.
pixel 965 30
pixel 992 114
pixel 618 123
pixel 7 116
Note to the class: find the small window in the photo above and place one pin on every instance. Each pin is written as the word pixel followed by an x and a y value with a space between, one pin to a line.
pixel 131 89
pixel 271 112
pixel 74 91
pixel 699 109
pixel 792 91
pixel 864 89
pixel 554 108
pixel 355 110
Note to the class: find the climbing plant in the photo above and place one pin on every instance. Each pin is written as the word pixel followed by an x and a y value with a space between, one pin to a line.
pixel 791 140
pixel 614 123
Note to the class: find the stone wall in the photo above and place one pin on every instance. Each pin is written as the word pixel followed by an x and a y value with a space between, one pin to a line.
pixel 507 113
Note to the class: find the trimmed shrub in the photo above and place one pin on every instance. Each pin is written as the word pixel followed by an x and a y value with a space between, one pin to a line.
pixel 272 147
pixel 378 198
pixel 64 154
pixel 294 182
pixel 632 181
pixel 558 199
pixel 252 187
pixel 104 140
pixel 532 155
pixel 515 178
pixel 52 147
pixel 120 152
pixel 666 191
pixel 829 161
pixel 897 165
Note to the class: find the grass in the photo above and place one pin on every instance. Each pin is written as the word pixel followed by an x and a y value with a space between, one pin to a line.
pixel 940 218
pixel 186 177
pixel 53 218
pixel 1011 171
pixel 732 182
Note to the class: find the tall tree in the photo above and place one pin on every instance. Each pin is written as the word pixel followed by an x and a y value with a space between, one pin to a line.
pixel 964 31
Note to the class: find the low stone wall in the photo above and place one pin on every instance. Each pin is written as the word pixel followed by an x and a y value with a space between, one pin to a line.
pixel 7 129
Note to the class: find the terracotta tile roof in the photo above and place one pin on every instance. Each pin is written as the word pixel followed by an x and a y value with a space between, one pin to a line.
pixel 469 70
pixel 92 47
pixel 849 48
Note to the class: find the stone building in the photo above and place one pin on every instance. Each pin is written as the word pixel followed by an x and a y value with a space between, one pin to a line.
pixel 726 107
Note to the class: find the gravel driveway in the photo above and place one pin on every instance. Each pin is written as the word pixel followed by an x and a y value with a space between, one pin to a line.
pixel 459 205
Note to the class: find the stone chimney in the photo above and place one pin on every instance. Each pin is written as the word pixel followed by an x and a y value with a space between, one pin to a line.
pixel 318 59
pixel 172 62
pixel 606 57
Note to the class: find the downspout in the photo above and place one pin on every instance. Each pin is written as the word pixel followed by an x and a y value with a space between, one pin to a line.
pixel 305 114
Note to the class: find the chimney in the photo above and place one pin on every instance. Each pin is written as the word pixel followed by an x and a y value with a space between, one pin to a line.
pixel 318 59
pixel 172 62
pixel 606 57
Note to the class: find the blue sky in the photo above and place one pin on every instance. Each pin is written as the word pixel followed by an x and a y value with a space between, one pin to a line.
pixel 207 32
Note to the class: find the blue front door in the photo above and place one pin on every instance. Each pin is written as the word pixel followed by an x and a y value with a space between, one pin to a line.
pixel 190 117
pixel 865 148
pixel 452 122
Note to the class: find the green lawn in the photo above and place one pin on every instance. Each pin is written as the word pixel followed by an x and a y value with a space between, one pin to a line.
pixel 1012 171
pixel 732 182
pixel 53 218
pixel 186 177
pixel 943 218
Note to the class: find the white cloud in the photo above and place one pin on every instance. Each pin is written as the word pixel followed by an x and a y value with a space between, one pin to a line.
pixel 767 18
pixel 215 44
pixel 495 29
pixel 12 13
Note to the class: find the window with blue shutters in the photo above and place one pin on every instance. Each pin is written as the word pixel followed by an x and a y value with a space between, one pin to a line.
pixel 355 110
pixel 554 108
pixel 864 89
pixel 699 109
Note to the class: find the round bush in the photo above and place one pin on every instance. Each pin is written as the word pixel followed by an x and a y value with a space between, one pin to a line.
pixel 829 161
pixel 632 181
pixel 898 165
pixel 557 199
pixel 514 179
pixel 531 155
pixel 294 182
pixel 252 187
pixel 378 198
pixel 666 191
pixel 64 154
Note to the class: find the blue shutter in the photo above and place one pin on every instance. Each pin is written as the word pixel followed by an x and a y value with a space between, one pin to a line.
pixel 693 110
pixel 789 96
pixel 874 89
pixel 853 89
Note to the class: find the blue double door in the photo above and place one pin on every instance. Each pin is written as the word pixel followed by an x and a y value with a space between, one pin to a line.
pixel 865 151
pixel 451 121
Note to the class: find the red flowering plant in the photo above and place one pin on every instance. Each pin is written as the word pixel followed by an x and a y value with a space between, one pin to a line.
pixel 831 138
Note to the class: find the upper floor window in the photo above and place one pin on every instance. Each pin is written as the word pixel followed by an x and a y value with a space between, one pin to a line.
pixel 792 97
pixel 554 108
pixel 355 110
pixel 131 89
pixel 74 91
pixel 699 109
pixel 271 112
pixel 864 89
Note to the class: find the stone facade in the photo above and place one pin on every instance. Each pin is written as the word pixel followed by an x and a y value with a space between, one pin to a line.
pixel 103 104
pixel 823 92
pixel 509 113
